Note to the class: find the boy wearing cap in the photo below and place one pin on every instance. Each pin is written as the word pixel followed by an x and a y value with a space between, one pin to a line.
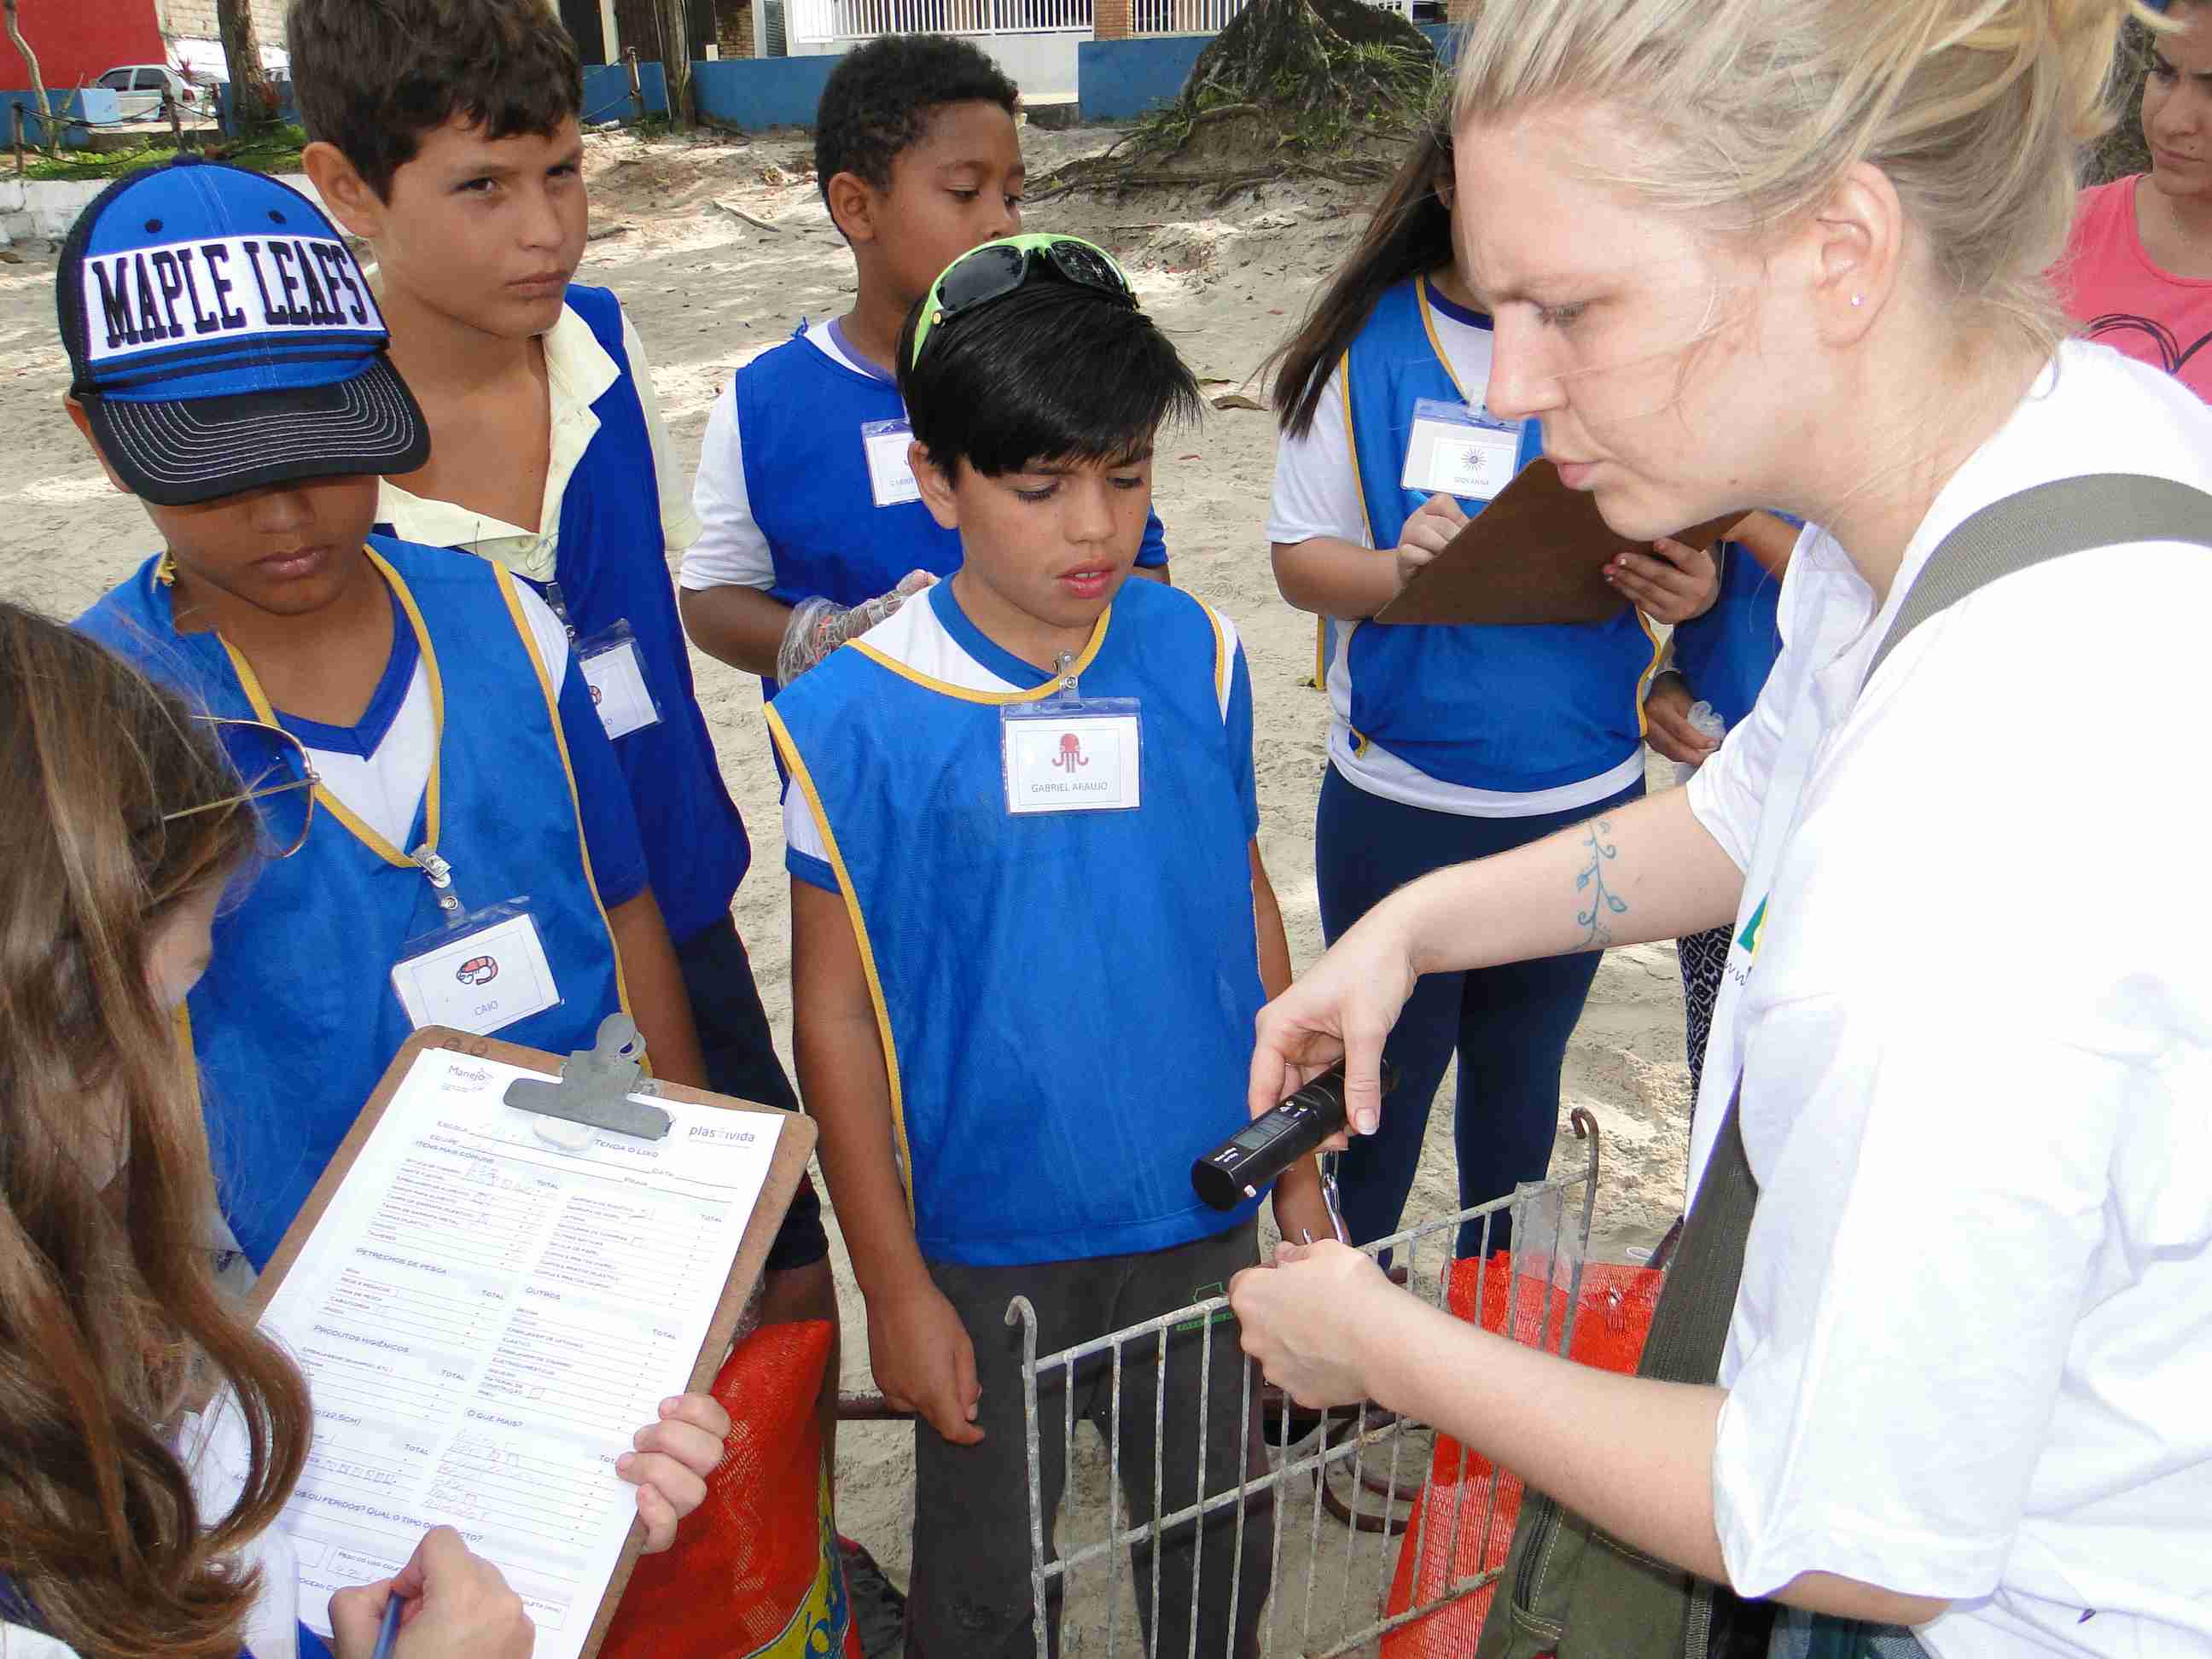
pixel 1030 930
pixel 228 366
pixel 229 369
pixel 446 134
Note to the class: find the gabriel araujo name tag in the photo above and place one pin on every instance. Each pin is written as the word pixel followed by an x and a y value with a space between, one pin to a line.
pixel 1059 760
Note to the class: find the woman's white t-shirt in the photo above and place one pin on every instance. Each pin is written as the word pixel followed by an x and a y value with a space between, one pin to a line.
pixel 1971 1355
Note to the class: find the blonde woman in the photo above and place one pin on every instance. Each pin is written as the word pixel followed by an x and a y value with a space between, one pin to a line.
pixel 1787 252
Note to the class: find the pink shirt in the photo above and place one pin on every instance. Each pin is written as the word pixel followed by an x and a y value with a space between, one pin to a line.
pixel 2108 285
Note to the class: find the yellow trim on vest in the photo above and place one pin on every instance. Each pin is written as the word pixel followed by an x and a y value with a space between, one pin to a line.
pixel 1428 324
pixel 1037 695
pixel 1351 440
pixel 507 591
pixel 362 830
pixel 1220 659
pixel 796 765
pixel 1651 669
pixel 1320 679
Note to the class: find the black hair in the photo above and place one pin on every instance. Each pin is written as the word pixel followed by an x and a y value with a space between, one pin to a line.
pixel 372 76
pixel 1408 234
pixel 1052 371
pixel 879 98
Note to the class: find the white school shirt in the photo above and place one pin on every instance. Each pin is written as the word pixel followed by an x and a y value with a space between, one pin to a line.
pixel 578 372
pixel 731 550
pixel 1972 1353
pixel 383 789
pixel 1317 493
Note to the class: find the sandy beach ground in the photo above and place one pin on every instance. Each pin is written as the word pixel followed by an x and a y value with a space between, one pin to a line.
pixel 709 289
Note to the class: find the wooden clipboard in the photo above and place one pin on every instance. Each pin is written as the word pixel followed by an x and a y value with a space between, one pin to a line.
pixel 1535 554
pixel 795 1146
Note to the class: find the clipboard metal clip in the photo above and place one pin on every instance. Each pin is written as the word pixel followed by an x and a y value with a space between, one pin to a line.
pixel 595 1088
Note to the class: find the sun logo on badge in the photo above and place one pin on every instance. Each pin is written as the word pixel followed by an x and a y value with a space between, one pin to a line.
pixel 1070 754
pixel 477 970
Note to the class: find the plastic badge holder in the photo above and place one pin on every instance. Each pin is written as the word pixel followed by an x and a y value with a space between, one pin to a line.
pixel 1069 753
pixel 890 476
pixel 616 674
pixel 1460 451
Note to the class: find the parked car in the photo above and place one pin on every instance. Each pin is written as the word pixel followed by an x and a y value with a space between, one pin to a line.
pixel 141 90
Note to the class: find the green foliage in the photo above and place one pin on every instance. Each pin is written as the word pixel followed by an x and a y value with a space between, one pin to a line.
pixel 277 150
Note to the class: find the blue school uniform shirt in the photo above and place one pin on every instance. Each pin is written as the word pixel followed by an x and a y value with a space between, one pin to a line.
pixel 611 566
pixel 1502 710
pixel 799 414
pixel 1065 999
pixel 1726 654
pixel 296 1019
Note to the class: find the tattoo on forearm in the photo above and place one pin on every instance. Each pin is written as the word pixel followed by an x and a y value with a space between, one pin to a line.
pixel 1604 902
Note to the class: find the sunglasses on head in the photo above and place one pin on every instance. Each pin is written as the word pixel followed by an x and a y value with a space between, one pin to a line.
pixel 996 269
pixel 278 782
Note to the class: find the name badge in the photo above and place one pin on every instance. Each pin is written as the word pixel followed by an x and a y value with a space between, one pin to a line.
pixel 616 677
pixel 1455 451
pixel 480 974
pixel 1073 756
pixel 890 474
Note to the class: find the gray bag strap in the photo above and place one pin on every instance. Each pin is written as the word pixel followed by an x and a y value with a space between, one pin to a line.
pixel 1557 1598
pixel 2050 521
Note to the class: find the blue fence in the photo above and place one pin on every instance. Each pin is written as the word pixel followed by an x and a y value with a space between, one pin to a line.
pixel 1120 80
pixel 757 92
pixel 606 91
pixel 72 111
pixel 286 111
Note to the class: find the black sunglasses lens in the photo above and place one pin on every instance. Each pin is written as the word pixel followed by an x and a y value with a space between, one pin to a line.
pixel 983 275
pixel 1087 266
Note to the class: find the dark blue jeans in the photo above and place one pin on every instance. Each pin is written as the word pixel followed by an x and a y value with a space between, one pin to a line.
pixel 1509 1025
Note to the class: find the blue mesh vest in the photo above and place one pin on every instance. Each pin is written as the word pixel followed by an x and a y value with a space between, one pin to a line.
pixel 612 564
pixel 1066 999
pixel 295 1019
pixel 1512 709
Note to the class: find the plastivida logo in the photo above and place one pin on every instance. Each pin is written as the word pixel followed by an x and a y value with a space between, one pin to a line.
pixel 477 970
pixel 1070 754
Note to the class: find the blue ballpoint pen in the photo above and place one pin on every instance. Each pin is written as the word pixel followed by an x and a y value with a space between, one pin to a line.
pixel 388 1633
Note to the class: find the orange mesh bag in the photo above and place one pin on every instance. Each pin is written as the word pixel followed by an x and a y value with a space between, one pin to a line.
pixel 755 1572
pixel 1455 1530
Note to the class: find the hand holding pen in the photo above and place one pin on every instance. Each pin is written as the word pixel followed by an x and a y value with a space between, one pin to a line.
pixel 446 1603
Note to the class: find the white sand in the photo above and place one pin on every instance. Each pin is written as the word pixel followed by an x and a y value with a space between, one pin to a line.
pixel 707 292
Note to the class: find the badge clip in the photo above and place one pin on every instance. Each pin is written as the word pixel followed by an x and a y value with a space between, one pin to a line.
pixel 595 1088
pixel 440 875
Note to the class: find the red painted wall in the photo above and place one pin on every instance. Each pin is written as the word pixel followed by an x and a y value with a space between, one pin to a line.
pixel 77 41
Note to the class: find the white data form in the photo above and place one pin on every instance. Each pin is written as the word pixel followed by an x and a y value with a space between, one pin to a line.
pixel 486 1319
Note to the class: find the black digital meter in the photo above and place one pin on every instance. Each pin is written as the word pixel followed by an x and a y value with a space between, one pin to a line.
pixel 1247 1164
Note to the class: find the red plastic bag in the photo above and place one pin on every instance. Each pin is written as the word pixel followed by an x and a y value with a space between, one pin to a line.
pixel 756 1571
pixel 1612 1316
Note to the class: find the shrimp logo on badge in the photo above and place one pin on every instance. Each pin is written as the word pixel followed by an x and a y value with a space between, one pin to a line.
pixel 477 970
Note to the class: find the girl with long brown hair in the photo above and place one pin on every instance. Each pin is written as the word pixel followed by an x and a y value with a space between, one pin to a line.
pixel 124 819
pixel 1445 743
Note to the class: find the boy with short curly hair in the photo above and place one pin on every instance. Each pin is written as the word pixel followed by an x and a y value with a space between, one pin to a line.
pixel 811 529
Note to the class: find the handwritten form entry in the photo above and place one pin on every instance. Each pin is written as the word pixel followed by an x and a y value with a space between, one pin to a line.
pixel 486 1319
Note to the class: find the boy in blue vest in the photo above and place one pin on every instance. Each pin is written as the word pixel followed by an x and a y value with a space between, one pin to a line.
pixel 228 366
pixel 1030 930
pixel 812 529
pixel 446 134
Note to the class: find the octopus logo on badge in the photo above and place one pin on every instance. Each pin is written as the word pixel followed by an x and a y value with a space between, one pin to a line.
pixel 477 970
pixel 1070 754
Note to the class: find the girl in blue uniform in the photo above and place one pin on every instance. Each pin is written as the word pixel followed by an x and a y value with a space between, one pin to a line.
pixel 1445 743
